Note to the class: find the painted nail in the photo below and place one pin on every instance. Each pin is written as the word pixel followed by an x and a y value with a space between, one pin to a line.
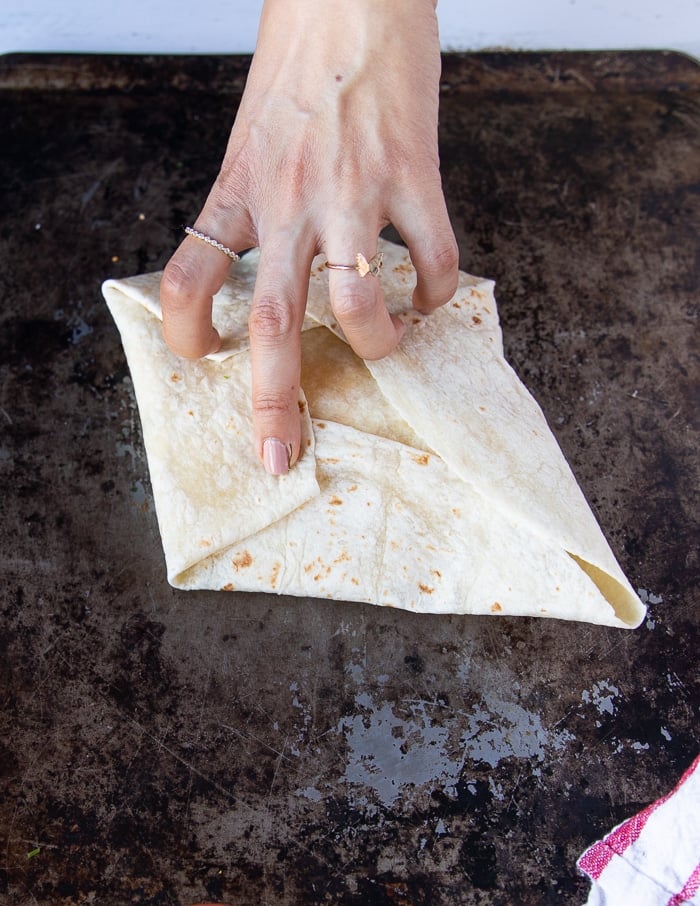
pixel 275 456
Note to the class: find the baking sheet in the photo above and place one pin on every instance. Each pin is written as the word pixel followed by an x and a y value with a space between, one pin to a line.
pixel 166 747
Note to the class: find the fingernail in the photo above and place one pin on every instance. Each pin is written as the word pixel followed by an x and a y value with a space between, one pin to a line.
pixel 275 456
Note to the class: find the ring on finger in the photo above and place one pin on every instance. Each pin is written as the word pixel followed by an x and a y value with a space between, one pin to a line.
pixel 234 256
pixel 362 266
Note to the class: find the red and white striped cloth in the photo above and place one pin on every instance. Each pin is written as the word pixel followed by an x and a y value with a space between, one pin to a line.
pixel 652 859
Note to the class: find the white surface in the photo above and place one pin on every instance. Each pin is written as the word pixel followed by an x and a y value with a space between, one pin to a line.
pixel 229 26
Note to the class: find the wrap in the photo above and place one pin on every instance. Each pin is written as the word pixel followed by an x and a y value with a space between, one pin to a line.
pixel 428 480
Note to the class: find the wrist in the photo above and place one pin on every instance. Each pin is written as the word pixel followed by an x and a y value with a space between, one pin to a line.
pixel 302 42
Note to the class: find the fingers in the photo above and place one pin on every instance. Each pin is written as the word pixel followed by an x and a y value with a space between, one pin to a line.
pixel 191 277
pixel 196 272
pixel 275 321
pixel 425 226
pixel 358 302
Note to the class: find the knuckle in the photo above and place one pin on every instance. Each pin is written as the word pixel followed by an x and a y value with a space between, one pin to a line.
pixel 182 330
pixel 232 184
pixel 272 319
pixel 417 161
pixel 177 285
pixel 353 308
pixel 272 404
pixel 232 194
pixel 442 259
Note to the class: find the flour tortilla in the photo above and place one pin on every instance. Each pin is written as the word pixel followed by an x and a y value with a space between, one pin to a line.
pixel 428 480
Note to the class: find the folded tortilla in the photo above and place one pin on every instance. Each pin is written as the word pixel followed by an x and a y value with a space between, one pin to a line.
pixel 428 480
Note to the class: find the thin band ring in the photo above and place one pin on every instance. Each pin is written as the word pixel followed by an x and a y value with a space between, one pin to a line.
pixel 363 266
pixel 234 256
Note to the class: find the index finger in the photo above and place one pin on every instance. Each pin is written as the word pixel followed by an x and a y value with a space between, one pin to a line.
pixel 191 278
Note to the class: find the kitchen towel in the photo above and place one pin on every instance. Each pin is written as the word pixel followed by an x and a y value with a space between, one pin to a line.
pixel 653 858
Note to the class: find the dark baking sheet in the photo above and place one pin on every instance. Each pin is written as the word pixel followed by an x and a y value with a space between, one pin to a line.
pixel 161 747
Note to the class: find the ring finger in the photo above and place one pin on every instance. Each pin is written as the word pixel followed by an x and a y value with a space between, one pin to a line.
pixel 358 301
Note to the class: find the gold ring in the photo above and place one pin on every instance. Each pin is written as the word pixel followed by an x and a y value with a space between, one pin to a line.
pixel 363 266
pixel 234 256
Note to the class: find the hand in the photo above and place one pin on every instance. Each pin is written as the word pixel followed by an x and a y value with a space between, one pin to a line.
pixel 335 137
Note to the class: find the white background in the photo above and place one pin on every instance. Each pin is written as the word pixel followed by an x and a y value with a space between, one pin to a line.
pixel 229 26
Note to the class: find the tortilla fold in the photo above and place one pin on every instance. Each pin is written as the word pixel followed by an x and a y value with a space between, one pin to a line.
pixel 428 480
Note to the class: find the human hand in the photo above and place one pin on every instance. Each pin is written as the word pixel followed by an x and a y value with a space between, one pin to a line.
pixel 335 137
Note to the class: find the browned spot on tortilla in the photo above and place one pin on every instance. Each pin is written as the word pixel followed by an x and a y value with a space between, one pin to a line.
pixel 320 425
pixel 482 408
pixel 426 589
pixel 228 587
pixel 456 511
pixel 456 305
pixel 308 567
pixel 335 501
pixel 242 561
pixel 436 572
pixel 204 543
pixel 275 574
pixel 403 268
pixel 496 607
pixel 415 320
pixel 308 442
pixel 422 460
pixel 353 488
pixel 174 377
pixel 355 581
pixel 487 310
pixel 190 412
pixel 476 319
pixel 302 405
pixel 330 459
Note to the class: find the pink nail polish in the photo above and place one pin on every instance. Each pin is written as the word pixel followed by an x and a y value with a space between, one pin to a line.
pixel 275 456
